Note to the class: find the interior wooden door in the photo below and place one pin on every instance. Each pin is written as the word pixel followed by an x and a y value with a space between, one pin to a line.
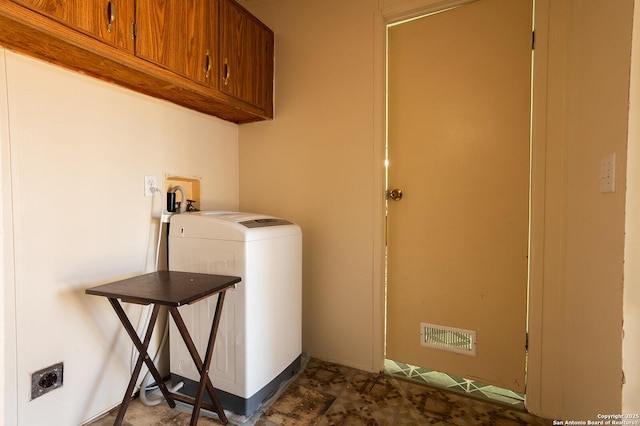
pixel 459 85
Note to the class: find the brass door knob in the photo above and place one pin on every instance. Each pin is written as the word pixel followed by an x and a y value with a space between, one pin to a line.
pixel 395 194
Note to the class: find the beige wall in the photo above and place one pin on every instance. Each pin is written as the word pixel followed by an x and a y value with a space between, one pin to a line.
pixel 315 164
pixel 318 162
pixel 597 117
pixel 631 339
pixel 75 151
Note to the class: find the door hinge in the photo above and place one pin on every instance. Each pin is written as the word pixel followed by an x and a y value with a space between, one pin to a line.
pixel 133 30
pixel 533 40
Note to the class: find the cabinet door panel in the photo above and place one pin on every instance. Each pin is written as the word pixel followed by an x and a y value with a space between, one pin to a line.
pixel 246 49
pixel 176 35
pixel 107 20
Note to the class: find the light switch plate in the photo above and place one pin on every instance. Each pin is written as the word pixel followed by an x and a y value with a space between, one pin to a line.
pixel 608 173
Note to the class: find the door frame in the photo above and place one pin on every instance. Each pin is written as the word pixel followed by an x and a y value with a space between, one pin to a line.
pixel 412 9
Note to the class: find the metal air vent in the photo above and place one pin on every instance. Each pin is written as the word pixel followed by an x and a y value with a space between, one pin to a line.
pixel 448 338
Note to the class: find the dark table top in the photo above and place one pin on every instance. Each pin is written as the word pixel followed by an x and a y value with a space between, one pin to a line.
pixel 170 288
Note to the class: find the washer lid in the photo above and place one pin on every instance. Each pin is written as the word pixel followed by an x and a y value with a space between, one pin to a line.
pixel 234 226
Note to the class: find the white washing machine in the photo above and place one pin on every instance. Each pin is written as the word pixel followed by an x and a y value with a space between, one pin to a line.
pixel 259 341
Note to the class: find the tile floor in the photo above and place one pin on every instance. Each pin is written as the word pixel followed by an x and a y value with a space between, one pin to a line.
pixel 325 393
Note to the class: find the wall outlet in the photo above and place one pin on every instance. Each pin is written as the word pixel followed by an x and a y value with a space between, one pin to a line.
pixel 46 380
pixel 150 185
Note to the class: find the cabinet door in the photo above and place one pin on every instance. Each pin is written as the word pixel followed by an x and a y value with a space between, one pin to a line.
pixel 107 20
pixel 246 56
pixel 176 34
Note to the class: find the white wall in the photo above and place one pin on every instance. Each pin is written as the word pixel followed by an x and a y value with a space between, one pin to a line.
pixel 4 129
pixel 75 151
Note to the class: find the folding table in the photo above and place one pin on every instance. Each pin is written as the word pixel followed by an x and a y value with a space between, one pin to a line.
pixel 171 289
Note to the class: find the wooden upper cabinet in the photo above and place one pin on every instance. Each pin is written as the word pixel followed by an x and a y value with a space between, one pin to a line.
pixel 208 55
pixel 177 35
pixel 108 20
pixel 246 56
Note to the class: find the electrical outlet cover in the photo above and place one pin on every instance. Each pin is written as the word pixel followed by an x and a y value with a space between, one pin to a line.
pixel 150 185
pixel 46 380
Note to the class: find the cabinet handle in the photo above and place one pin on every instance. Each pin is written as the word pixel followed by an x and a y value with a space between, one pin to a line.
pixel 111 15
pixel 208 66
pixel 227 72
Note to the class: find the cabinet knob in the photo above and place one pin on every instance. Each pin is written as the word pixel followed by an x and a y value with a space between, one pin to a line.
pixel 207 65
pixel 226 72
pixel 111 15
